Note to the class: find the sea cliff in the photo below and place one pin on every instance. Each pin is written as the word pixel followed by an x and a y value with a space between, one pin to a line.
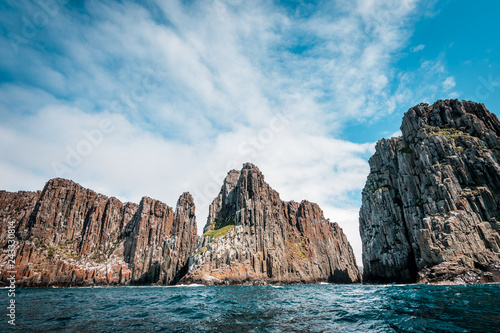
pixel 431 204
pixel 68 235
pixel 252 236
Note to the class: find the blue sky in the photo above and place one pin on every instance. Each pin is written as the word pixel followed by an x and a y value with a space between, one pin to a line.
pixel 160 97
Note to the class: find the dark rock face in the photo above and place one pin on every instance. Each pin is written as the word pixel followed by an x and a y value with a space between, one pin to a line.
pixel 69 235
pixel 252 236
pixel 431 203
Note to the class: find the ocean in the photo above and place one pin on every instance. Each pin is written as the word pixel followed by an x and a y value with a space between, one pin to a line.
pixel 291 308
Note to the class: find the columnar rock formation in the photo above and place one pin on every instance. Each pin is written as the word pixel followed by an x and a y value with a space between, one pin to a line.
pixel 431 204
pixel 252 236
pixel 69 235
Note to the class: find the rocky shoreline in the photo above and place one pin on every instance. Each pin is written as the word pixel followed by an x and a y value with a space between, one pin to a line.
pixel 430 214
pixel 72 236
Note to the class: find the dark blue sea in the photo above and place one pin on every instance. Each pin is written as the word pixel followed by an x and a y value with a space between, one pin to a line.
pixel 295 308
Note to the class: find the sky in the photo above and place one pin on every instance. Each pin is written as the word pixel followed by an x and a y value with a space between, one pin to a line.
pixel 155 98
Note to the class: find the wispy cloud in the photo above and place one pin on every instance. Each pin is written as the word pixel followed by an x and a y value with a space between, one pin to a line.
pixel 418 48
pixel 449 83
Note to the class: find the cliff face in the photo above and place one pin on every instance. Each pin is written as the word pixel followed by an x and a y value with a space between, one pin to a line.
pixel 252 236
pixel 69 235
pixel 431 203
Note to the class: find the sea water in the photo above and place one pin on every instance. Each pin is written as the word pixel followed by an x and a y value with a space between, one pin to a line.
pixel 291 308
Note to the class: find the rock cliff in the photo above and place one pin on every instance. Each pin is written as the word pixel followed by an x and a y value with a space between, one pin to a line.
pixel 252 236
pixel 431 204
pixel 71 236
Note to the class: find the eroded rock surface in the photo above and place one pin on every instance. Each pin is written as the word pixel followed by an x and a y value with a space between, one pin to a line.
pixel 431 203
pixel 71 236
pixel 252 236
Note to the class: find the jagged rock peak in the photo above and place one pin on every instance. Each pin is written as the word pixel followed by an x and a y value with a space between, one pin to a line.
pixel 252 236
pixel 431 203
pixel 252 166
pixel 466 117
pixel 71 236
pixel 60 182
pixel 185 197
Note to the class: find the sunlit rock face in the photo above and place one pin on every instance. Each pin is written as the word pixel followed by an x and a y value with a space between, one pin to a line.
pixel 431 204
pixel 252 236
pixel 71 236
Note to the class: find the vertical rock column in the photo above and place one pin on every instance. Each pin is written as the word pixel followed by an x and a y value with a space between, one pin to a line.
pixel 431 203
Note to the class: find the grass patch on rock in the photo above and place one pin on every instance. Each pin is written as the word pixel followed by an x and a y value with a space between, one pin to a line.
pixel 219 232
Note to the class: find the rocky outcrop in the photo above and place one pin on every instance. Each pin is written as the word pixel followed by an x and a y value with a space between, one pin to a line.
pixel 431 203
pixel 252 236
pixel 70 236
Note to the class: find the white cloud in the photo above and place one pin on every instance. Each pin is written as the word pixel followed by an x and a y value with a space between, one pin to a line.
pixel 396 134
pixel 418 48
pixel 449 83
